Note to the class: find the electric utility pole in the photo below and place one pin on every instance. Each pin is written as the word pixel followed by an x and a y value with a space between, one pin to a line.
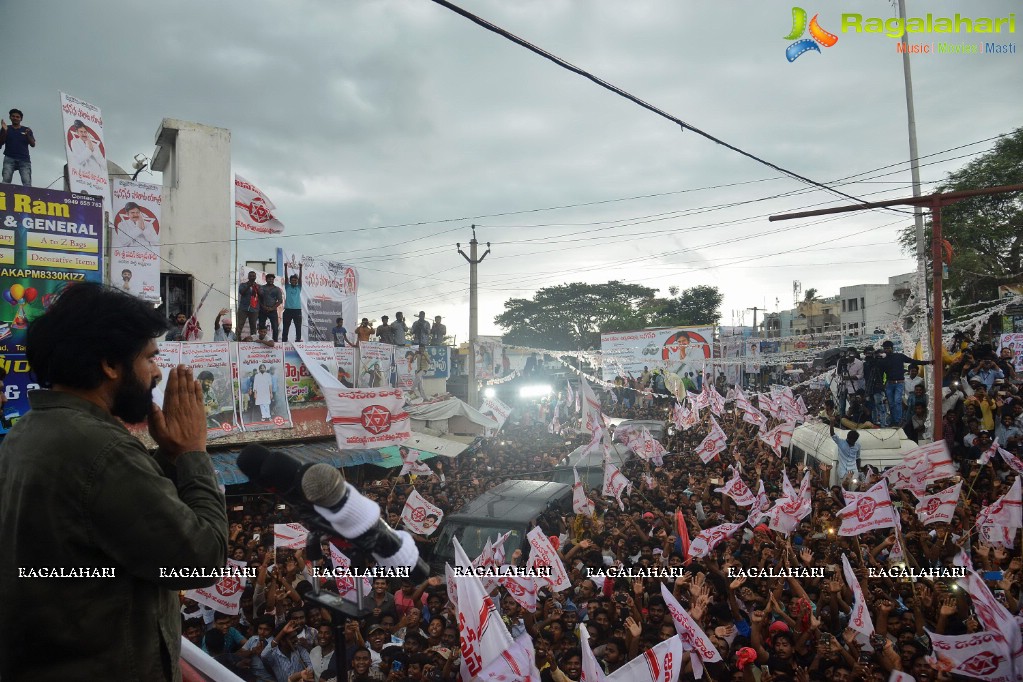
pixel 473 387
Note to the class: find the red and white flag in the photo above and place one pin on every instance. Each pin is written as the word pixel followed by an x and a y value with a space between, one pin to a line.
pixel 648 447
pixel 779 437
pixel 939 507
pixel 522 589
pixel 253 211
pixel 517 664
pixel 736 489
pixel 411 464
pixel 662 663
pixel 542 553
pixel 420 515
pixel 346 583
pixel 615 483
pixel 982 655
pixel 290 535
pixel 580 503
pixel 684 417
pixel 709 538
pixel 591 670
pixel 760 506
pixel 192 330
pixel 859 617
pixel 872 510
pixel 1006 511
pixel 452 583
pixel 713 443
pixel 592 418
pixel 693 638
pixel 993 616
pixel 226 595
pixel 756 417
pixel 482 634
pixel 714 399
pixel 368 417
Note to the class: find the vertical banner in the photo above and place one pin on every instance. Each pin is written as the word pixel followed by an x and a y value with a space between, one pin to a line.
pixel 135 238
pixel 1013 342
pixel 375 362
pixel 329 290
pixel 83 143
pixel 440 362
pixel 346 363
pixel 488 352
pixel 262 398
pixel 168 359
pixel 404 367
pixel 299 384
pixel 211 365
pixel 47 239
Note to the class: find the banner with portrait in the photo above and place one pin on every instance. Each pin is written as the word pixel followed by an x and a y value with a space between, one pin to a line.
pixel 1013 342
pixel 135 239
pixel 679 350
pixel 375 363
pixel 168 359
pixel 329 290
pixel 211 366
pixel 47 239
pixel 262 396
pixel 299 384
pixel 488 357
pixel 347 360
pixel 405 367
pixel 83 144
pixel 440 362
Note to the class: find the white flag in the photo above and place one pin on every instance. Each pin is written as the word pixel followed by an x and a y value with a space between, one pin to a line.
pixel 662 663
pixel 1006 511
pixel 859 617
pixel 253 211
pixel 420 515
pixel 591 672
pixel 346 583
pixel 522 589
pixel 290 535
pixel 939 507
pixel 410 463
pixel 693 638
pixel 713 443
pixel 580 503
pixel 983 655
pixel 709 538
pixel 993 616
pixel 871 510
pixel 226 595
pixel 518 664
pixel 542 553
pixel 615 483
pixel 736 489
pixel 483 636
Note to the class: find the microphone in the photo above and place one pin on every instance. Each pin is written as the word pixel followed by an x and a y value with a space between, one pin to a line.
pixel 350 514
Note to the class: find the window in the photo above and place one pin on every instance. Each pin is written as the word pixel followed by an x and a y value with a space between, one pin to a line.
pixel 853 307
pixel 843 305
pixel 862 305
pixel 176 292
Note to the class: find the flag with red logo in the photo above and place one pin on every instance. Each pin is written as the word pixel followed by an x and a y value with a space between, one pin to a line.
pixel 693 638
pixel 709 538
pixel 939 507
pixel 760 506
pixel 482 634
pixel 522 589
pixel 871 510
pixel 226 594
pixel 542 553
pixel 615 483
pixel 346 583
pixel 859 617
pixel 517 664
pixel 290 535
pixel 592 418
pixel 411 464
pixel 1012 460
pixel 714 399
pixel 779 437
pixel 662 663
pixel 192 330
pixel 756 417
pixel 253 211
pixel 420 515
pixel 1006 511
pixel 713 443
pixel 591 670
pixel 993 616
pixel 580 503
pixel 736 489
pixel 982 655
pixel 452 584
pixel 368 417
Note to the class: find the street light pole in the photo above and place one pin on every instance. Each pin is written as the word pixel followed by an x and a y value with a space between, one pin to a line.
pixel 473 387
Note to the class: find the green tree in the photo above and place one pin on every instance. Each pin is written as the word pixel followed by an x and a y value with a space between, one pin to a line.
pixel 693 306
pixel 572 316
pixel 986 232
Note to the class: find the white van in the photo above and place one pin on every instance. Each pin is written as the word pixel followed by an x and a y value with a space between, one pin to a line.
pixel 878 447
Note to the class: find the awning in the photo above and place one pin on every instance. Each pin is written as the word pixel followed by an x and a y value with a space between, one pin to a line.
pixel 225 462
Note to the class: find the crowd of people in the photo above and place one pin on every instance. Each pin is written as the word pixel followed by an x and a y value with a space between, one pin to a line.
pixel 765 629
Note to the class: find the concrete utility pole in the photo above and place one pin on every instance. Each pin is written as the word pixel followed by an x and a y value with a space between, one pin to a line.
pixel 935 202
pixel 473 387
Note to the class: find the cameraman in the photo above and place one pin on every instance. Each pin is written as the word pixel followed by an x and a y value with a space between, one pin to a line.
pixel 850 373
pixel 873 377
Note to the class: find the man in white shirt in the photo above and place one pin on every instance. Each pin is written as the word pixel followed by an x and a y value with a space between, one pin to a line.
pixel 133 228
pixel 912 381
pixel 322 655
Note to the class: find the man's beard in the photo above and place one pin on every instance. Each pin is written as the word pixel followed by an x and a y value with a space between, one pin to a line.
pixel 133 401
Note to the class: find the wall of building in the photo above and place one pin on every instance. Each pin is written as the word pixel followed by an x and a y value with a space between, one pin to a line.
pixel 195 160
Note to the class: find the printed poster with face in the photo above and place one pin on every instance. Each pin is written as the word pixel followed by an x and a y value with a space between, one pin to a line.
pixel 299 383
pixel 212 367
pixel 419 515
pixel 404 367
pixel 375 362
pixel 262 395
pixel 83 143
pixel 345 356
pixel 168 359
pixel 135 238
pixel 329 290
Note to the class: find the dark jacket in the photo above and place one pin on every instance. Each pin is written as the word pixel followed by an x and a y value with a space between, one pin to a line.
pixel 77 490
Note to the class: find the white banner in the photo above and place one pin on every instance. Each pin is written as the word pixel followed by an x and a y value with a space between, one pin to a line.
pixel 375 362
pixel 542 553
pixel 405 367
pixel 346 583
pixel 330 290
pixel 1013 342
pixel 496 410
pixel 261 391
pixel 488 356
pixel 580 503
pixel 135 239
pixel 212 367
pixel 709 538
pixel 83 144
pixel 939 507
pixel 483 636
pixel 290 535
pixel 253 210
pixel 369 418
pixel 226 594
pixel 679 350
pixel 168 359
pixel 346 363
pixel 421 516
pixel 981 655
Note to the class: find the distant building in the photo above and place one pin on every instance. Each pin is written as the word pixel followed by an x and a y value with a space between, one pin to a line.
pixel 867 307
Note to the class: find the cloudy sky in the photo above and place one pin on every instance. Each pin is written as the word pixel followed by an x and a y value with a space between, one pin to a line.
pixel 382 129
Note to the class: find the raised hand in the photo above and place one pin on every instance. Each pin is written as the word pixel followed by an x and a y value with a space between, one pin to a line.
pixel 949 606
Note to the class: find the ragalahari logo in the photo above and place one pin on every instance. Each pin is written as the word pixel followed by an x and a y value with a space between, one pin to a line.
pixel 818 36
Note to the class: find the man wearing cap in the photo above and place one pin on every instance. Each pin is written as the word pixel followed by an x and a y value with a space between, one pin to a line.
pixel 894 365
pixel 437 332
pixel 270 298
pixel 222 327
pixel 421 330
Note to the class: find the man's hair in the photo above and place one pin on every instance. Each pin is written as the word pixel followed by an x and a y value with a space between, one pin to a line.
pixel 12 112
pixel 220 615
pixel 79 123
pixel 340 320
pixel 293 610
pixel 130 205
pixel 89 323
pixel 261 328
pixel 124 271
pixel 206 375
pixel 853 437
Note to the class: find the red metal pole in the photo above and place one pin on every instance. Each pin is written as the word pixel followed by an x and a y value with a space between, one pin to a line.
pixel 936 344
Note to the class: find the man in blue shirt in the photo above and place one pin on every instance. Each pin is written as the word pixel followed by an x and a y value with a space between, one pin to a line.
pixel 894 365
pixel 340 334
pixel 848 454
pixel 292 303
pixel 16 140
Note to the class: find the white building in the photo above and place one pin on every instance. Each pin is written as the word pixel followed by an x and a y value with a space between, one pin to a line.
pixel 866 307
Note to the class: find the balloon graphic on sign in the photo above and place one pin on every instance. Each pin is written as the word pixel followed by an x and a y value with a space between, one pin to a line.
pixel 18 296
